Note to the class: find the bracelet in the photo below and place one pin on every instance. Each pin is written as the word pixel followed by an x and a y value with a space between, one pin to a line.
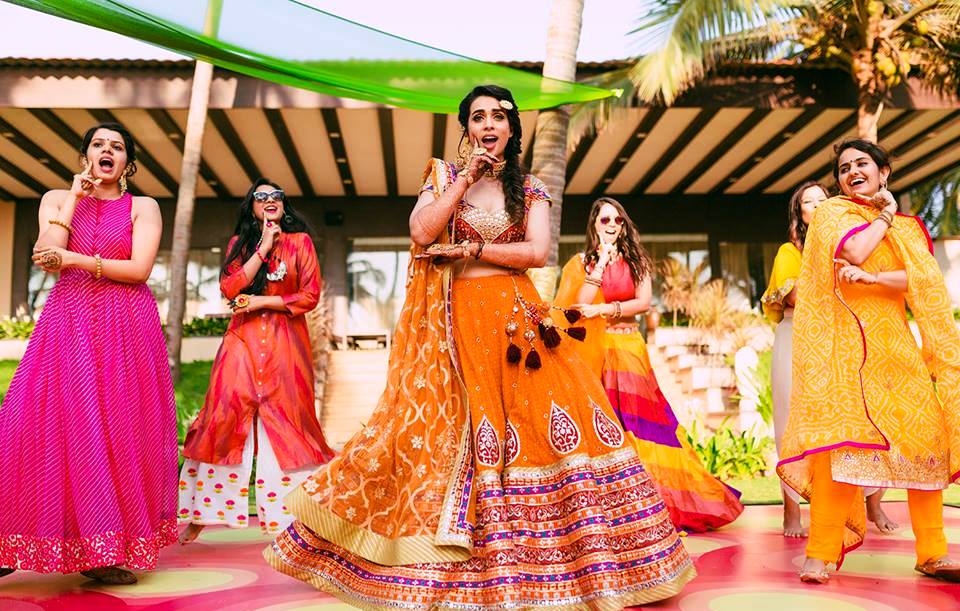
pixel 617 311
pixel 99 272
pixel 61 224
pixel 261 257
pixel 479 250
pixel 592 281
pixel 887 217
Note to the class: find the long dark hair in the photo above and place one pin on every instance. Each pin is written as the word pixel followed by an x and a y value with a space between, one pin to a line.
pixel 876 152
pixel 248 234
pixel 128 143
pixel 512 177
pixel 628 242
pixel 798 229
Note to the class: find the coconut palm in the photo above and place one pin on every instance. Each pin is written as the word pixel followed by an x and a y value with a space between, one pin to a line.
pixel 878 43
pixel 550 138
pixel 186 195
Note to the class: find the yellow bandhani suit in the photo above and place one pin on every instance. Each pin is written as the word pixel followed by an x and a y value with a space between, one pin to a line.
pixel 864 410
pixel 480 484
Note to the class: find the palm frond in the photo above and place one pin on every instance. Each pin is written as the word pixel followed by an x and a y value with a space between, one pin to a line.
pixel 696 33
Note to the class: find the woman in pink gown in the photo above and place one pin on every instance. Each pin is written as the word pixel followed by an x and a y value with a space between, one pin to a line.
pixel 88 444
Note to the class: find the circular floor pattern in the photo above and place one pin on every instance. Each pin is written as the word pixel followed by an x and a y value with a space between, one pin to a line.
pixel 309 605
pixel 905 532
pixel 181 582
pixel 698 545
pixel 222 534
pixel 781 599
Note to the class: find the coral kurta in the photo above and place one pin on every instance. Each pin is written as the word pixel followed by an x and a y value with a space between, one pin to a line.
pixel 862 389
pixel 264 369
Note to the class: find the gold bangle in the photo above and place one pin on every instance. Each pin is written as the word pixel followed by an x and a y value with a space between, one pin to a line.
pixel 99 271
pixel 61 224
pixel 593 281
pixel 887 217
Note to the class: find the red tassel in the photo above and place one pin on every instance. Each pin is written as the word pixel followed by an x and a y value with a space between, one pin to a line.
pixel 533 360
pixel 577 333
pixel 513 354
pixel 551 337
pixel 572 316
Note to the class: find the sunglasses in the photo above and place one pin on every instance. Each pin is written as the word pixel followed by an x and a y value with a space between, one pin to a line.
pixel 605 220
pixel 262 196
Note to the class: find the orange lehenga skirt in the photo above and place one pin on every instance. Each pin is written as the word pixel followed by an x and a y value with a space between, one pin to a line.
pixel 555 505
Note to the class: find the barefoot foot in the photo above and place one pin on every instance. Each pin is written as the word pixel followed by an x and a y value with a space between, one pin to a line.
pixel 878 516
pixel 190 533
pixel 792 524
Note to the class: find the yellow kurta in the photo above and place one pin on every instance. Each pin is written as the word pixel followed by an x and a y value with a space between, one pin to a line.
pixel 783 278
pixel 862 389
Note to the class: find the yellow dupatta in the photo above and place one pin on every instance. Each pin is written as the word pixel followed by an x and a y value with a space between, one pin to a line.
pixel 591 349
pixel 783 278
pixel 829 409
pixel 399 493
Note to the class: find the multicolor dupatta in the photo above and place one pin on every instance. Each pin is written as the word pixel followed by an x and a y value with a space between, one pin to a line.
pixel 829 409
pixel 370 499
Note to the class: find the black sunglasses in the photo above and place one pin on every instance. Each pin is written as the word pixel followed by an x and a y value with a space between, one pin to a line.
pixel 262 196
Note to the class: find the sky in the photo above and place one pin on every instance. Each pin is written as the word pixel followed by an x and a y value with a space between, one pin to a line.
pixel 479 30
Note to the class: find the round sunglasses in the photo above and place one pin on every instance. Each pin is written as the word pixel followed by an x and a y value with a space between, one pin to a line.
pixel 605 220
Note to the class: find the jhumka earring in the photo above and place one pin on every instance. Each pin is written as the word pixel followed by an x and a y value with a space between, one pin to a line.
pixel 123 183
pixel 464 150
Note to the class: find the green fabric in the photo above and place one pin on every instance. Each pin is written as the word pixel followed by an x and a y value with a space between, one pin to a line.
pixel 294 44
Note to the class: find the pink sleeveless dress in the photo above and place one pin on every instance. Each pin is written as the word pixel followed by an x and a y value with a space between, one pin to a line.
pixel 88 444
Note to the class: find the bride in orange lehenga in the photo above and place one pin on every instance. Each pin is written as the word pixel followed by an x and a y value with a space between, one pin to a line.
pixel 494 473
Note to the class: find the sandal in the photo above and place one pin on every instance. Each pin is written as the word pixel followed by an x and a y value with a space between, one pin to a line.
pixel 941 568
pixel 111 575
pixel 817 577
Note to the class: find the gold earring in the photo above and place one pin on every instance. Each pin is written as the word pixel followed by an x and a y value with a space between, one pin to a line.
pixel 123 183
pixel 83 163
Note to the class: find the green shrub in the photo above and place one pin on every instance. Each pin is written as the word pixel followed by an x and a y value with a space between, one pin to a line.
pixel 16 328
pixel 727 454
pixel 205 327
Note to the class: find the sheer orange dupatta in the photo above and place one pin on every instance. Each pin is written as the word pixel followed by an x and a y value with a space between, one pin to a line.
pixel 399 493
pixel 591 349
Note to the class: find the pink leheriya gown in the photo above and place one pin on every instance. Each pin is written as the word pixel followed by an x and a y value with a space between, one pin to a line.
pixel 88 444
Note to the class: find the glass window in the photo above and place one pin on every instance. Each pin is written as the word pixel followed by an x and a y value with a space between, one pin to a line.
pixel 203 283
pixel 376 282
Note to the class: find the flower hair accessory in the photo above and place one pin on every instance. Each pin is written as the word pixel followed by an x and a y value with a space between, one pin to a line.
pixel 506 104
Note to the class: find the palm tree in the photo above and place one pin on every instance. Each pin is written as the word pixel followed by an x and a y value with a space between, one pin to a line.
pixel 937 203
pixel 186 196
pixel 550 139
pixel 878 43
